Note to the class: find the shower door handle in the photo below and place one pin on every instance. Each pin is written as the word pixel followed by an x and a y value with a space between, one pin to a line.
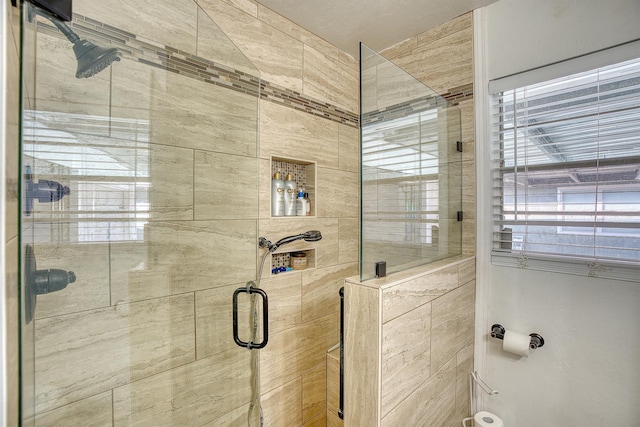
pixel 265 317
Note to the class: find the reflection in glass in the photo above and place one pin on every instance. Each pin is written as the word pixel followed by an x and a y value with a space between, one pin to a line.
pixel 411 170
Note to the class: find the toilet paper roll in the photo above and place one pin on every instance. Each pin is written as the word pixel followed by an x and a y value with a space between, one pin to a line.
pixel 516 343
pixel 487 419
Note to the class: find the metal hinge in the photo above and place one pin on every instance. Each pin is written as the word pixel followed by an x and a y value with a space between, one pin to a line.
pixel 459 215
pixel 459 146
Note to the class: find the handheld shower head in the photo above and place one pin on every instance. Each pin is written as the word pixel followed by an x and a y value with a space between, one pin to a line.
pixel 307 236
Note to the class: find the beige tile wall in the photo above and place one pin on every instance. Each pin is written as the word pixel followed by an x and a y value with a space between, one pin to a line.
pixel 415 329
pixel 147 325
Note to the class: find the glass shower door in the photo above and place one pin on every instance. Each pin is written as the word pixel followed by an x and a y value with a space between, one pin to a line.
pixel 133 235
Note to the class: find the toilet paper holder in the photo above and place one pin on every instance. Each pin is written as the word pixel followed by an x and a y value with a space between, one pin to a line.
pixel 497 331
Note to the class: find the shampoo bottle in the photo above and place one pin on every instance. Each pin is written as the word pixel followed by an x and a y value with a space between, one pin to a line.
pixel 277 195
pixel 289 196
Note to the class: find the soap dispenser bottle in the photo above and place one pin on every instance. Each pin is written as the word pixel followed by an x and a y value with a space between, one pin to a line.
pixel 277 195
pixel 301 205
pixel 289 196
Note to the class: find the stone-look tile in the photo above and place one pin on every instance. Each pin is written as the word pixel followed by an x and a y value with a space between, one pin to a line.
pixel 264 202
pixel 58 89
pixel 282 406
pixel 396 85
pixel 469 236
pixel 406 357
pixel 170 191
pixel 131 84
pixel 193 114
pixel 336 195
pixel 361 355
pixel 451 59
pixel 409 294
pixel 368 83
pixel 82 354
pixel 327 249
pixel 214 45
pixel 95 411
pixel 194 394
pixel 278 56
pixel 433 404
pixel 247 6
pixel 132 278
pixel 226 186
pixel 468 130
pixel 214 316
pixel 333 388
pixel 399 49
pixel 285 301
pixel 29 55
pixel 319 421
pixel 90 263
pixel 469 188
pixel 466 271
pixel 349 240
pixel 330 81
pixel 320 289
pixel 464 365
pixel 14 331
pixel 130 130
pixel 281 23
pixel 11 133
pixel 168 22
pixel 203 254
pixel 452 323
pixel 448 28
pixel 314 393
pixel 349 148
pixel 288 133
pixel 296 350
pixel 235 418
pixel 13 31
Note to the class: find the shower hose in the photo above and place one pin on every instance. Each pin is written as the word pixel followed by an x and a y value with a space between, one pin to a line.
pixel 255 359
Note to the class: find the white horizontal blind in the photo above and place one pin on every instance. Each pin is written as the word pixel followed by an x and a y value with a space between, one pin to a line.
pixel 566 173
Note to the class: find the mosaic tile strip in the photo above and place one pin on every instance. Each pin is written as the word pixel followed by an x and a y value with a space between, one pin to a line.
pixel 176 61
pixel 280 260
pixel 452 97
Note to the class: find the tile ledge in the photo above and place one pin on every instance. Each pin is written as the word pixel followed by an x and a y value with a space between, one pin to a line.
pixel 410 274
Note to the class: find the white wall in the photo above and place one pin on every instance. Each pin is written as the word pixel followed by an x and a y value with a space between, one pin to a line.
pixel 588 372
pixel 526 34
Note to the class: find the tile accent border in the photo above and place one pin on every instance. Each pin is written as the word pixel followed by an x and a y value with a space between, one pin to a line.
pixel 452 98
pixel 180 62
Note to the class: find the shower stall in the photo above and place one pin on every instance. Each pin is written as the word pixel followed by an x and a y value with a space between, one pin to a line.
pixel 139 219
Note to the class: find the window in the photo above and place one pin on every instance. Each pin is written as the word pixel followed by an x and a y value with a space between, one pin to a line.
pixel 566 173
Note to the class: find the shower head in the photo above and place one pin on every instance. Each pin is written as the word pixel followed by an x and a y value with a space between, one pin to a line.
pixel 307 236
pixel 91 58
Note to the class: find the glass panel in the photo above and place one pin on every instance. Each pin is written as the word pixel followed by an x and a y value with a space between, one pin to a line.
pixel 411 170
pixel 27 337
pixel 130 172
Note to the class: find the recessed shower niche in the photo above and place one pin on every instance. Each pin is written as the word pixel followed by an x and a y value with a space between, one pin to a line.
pixel 303 173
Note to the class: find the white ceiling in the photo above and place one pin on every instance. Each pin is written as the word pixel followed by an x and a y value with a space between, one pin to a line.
pixel 377 23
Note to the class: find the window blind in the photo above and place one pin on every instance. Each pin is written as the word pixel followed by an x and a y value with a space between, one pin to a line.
pixel 566 173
